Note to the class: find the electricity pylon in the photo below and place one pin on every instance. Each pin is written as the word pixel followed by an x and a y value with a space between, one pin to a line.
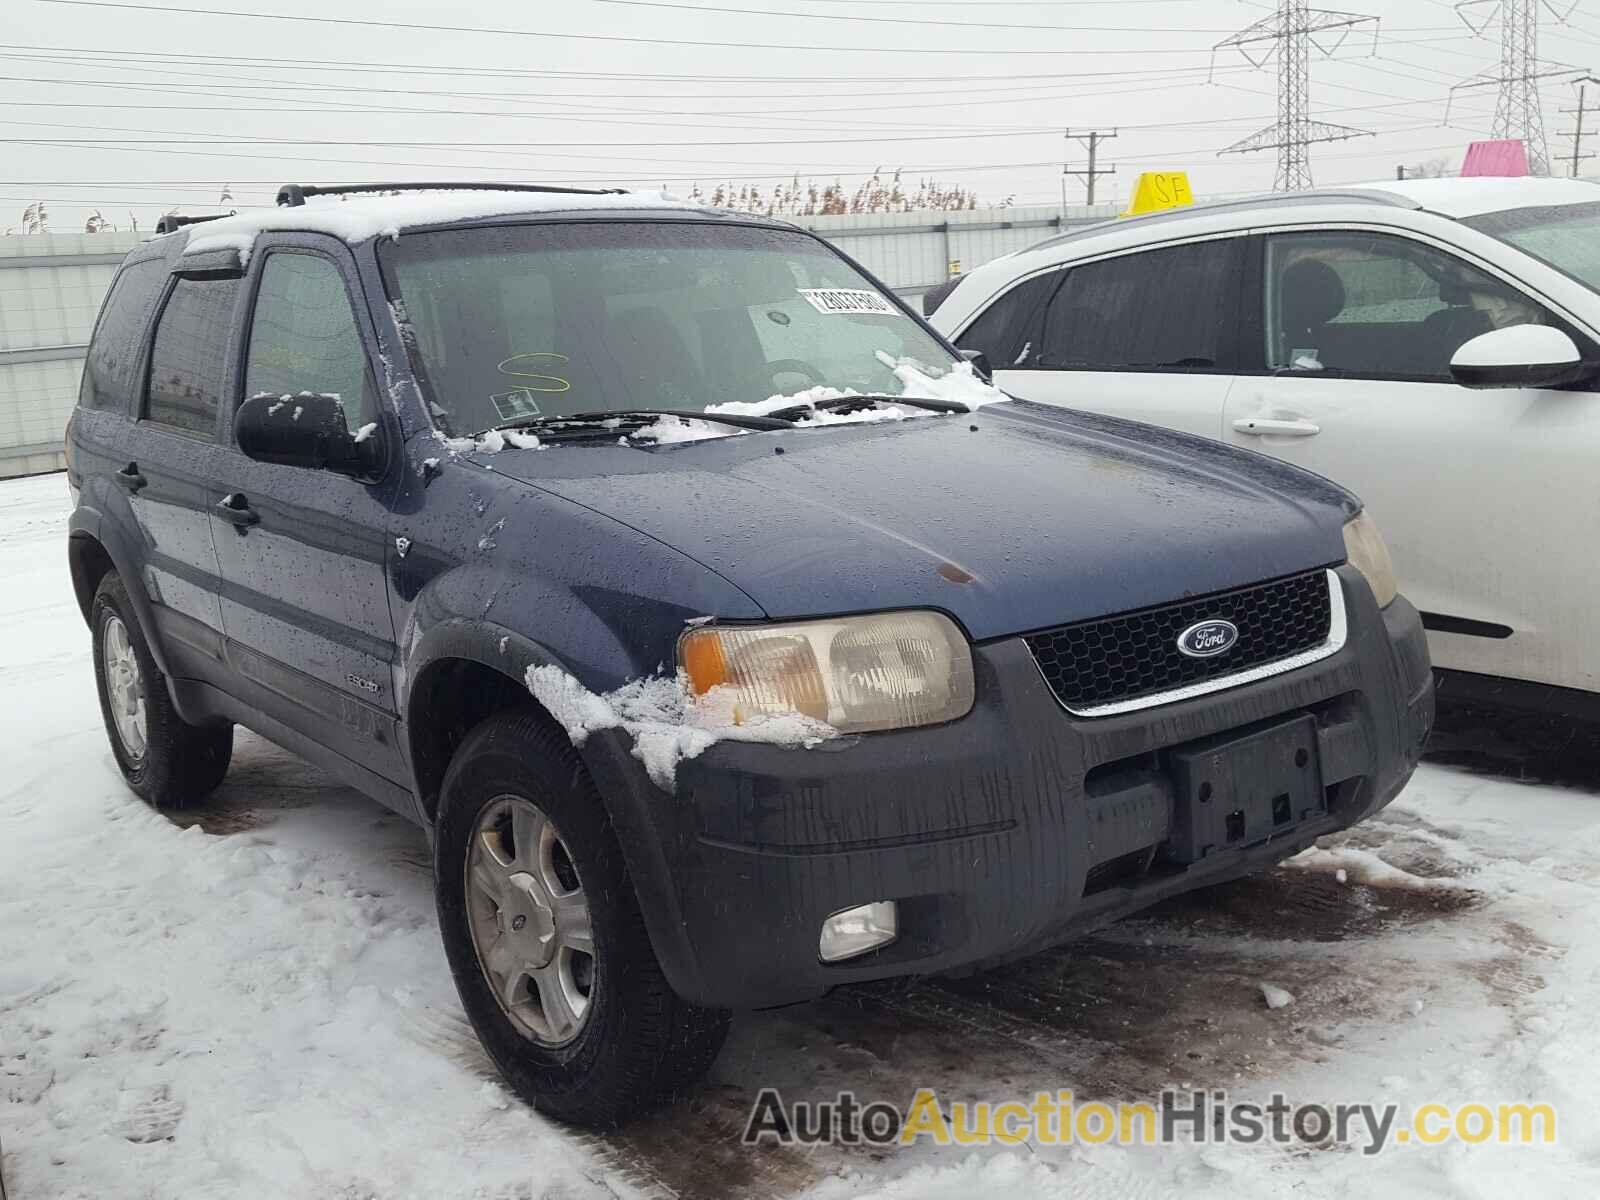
pixel 1518 112
pixel 1290 35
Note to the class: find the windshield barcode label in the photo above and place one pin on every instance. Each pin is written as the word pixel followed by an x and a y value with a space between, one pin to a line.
pixel 846 300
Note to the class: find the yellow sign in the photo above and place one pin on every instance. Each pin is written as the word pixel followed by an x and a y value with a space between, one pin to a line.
pixel 1157 190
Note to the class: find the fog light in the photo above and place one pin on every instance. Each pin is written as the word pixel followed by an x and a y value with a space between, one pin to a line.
pixel 857 930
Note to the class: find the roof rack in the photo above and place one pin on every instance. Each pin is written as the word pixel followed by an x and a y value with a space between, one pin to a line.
pixel 171 223
pixel 293 195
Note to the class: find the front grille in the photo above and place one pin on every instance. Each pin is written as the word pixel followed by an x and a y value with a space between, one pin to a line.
pixel 1136 654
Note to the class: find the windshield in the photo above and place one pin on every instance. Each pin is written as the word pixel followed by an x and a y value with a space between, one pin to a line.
pixel 550 320
pixel 1566 237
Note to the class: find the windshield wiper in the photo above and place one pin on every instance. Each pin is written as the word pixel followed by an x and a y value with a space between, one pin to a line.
pixel 637 416
pixel 797 412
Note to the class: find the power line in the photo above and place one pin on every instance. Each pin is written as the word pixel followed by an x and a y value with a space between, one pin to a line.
pixel 367 66
pixel 187 87
pixel 585 37
pixel 856 17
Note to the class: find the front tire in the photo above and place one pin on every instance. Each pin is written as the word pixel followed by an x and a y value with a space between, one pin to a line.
pixel 545 937
pixel 168 762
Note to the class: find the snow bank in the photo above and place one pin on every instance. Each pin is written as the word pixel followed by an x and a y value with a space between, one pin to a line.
pixel 363 217
pixel 667 724
pixel 1002 1174
pixel 1347 863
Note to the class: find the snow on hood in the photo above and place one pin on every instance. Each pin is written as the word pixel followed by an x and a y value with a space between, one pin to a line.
pixel 357 219
pixel 666 722
pixel 961 384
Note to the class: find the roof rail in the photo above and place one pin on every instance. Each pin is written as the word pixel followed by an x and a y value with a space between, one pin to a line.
pixel 171 223
pixel 293 195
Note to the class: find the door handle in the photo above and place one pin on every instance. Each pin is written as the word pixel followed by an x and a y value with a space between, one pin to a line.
pixel 1270 427
pixel 130 478
pixel 236 511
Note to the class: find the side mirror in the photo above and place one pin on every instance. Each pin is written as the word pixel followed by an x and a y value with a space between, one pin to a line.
pixel 305 430
pixel 1519 356
pixel 980 364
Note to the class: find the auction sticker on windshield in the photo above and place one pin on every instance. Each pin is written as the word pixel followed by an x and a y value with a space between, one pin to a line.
pixel 846 300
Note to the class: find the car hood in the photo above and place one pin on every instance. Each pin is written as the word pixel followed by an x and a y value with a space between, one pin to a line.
pixel 1017 517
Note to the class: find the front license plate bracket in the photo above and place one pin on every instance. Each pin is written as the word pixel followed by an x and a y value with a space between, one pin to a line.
pixel 1243 787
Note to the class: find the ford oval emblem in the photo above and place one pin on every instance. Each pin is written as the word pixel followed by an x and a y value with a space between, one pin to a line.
pixel 1206 639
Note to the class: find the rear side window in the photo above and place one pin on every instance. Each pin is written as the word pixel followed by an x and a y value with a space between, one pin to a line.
pixel 187 359
pixel 303 336
pixel 110 368
pixel 1167 309
pixel 1008 331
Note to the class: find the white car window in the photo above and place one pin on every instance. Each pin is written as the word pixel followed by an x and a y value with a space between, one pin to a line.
pixel 1007 332
pixel 1379 306
pixel 1172 308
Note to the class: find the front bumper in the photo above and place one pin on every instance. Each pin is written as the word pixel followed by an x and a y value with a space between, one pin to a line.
pixel 998 835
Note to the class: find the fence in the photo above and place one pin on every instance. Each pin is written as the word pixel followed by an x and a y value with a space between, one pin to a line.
pixel 915 251
pixel 51 286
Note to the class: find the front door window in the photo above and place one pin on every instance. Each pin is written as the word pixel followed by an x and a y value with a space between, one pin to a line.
pixel 1379 307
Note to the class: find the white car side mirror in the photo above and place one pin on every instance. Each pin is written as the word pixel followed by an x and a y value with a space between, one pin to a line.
pixel 1519 356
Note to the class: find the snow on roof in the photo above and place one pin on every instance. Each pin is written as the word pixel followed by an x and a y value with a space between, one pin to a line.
pixel 360 218
pixel 1473 197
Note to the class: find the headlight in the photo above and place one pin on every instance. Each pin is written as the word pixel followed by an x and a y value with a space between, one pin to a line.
pixel 886 671
pixel 1364 547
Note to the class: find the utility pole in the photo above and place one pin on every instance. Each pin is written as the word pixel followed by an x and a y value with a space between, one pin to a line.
pixel 1577 133
pixel 1518 113
pixel 1289 36
pixel 1091 141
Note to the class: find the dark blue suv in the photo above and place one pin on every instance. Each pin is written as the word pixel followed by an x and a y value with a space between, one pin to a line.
pixel 730 636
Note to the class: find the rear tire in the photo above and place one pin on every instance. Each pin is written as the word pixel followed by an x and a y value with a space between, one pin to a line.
pixel 167 761
pixel 589 1036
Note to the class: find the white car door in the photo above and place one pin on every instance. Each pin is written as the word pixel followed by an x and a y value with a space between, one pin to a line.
pixel 1148 334
pixel 1489 500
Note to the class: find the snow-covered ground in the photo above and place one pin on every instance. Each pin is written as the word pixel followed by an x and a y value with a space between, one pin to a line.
pixel 252 1001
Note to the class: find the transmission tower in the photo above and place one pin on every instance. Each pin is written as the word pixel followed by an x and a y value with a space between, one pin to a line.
pixel 1290 36
pixel 1518 112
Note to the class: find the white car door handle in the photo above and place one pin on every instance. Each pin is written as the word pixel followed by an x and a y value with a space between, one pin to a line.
pixel 1268 427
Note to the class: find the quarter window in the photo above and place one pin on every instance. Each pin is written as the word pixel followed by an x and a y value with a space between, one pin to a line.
pixel 303 336
pixel 187 358
pixel 110 370
pixel 1380 306
pixel 1167 309
pixel 1008 331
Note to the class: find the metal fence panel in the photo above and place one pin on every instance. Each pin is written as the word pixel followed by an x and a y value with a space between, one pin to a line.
pixel 51 286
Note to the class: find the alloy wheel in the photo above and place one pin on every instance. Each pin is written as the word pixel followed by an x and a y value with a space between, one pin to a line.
pixel 125 688
pixel 530 922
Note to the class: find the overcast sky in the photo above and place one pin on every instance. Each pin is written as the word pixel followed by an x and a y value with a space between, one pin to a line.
pixel 124 109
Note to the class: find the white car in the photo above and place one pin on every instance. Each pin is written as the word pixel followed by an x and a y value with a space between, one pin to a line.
pixel 1434 345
